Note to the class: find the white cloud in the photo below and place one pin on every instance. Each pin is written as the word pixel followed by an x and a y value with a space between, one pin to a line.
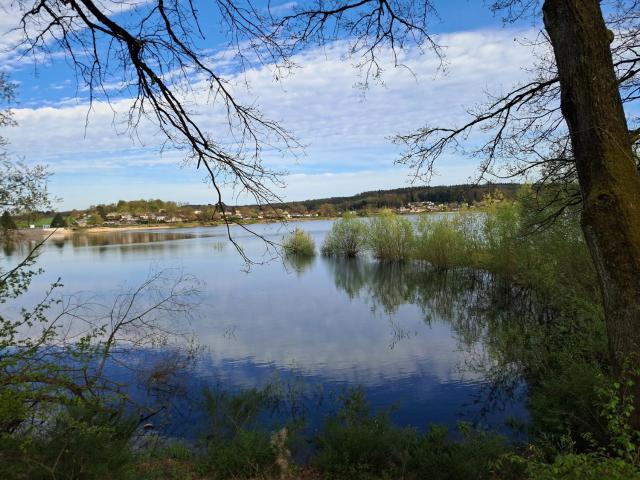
pixel 346 133
pixel 12 33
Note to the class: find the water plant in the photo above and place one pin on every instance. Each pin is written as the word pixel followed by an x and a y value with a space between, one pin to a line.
pixel 347 237
pixel 299 243
pixel 390 236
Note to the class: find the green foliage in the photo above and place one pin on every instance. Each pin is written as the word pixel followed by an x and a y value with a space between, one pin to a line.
pixel 356 444
pixel 58 221
pixel 7 222
pixel 390 236
pixel 398 197
pixel 617 408
pixel 566 466
pixel 78 443
pixel 247 454
pixel 299 243
pixel 347 237
pixel 444 242
pixel 236 445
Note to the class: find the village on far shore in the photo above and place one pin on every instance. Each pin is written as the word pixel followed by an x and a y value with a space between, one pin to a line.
pixel 141 213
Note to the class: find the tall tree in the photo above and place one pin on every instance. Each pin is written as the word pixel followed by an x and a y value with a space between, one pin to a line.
pixel 605 165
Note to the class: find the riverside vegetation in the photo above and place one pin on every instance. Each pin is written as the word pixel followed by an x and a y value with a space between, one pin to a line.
pixel 75 427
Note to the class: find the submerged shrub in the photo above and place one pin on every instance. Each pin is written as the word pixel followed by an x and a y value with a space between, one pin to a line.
pixel 347 237
pixel 390 236
pixel 299 243
pixel 446 242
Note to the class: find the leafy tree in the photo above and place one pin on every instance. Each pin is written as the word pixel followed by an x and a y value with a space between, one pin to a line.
pixel 102 211
pixel 327 210
pixel 6 222
pixel 58 221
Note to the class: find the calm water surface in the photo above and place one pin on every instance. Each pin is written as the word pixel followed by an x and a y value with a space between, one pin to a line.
pixel 406 337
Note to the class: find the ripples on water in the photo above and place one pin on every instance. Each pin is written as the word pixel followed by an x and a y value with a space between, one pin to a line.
pixel 410 337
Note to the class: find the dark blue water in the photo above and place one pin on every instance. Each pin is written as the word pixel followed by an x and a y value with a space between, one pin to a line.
pixel 412 340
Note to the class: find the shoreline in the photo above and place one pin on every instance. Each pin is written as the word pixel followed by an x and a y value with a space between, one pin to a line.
pixel 63 232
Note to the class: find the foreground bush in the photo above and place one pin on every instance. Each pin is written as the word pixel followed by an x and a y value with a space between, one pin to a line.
pixel 237 444
pixel 347 237
pixel 356 444
pixel 390 236
pixel 299 243
pixel 80 443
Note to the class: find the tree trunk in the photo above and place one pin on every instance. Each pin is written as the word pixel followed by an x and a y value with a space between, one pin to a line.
pixel 609 179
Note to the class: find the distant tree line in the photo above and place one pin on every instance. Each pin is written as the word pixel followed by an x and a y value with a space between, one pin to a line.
pixel 399 197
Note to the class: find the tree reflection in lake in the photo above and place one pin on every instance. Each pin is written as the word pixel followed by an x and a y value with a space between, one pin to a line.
pixel 298 263
pixel 478 307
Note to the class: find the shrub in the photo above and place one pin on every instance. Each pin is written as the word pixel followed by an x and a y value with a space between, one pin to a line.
pixel 236 444
pixel 58 221
pixel 347 237
pixel 299 243
pixel 390 236
pixel 442 242
pixel 357 444
pixel 80 443
pixel 569 466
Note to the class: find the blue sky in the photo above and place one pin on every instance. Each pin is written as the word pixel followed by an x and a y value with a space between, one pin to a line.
pixel 346 134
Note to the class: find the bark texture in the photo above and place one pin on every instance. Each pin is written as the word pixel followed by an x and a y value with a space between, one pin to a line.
pixel 609 179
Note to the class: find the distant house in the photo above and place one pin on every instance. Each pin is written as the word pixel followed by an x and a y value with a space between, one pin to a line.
pixel 127 218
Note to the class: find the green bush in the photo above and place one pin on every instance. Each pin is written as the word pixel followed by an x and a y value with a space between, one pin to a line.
pixel 299 243
pixel 390 236
pixel 569 466
pixel 347 237
pixel 441 241
pixel 58 221
pixel 247 454
pixel 356 444
pixel 81 443
pixel 236 444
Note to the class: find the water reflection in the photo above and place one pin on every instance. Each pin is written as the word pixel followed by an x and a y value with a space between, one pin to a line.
pixel 466 299
pixel 298 263
pixel 405 333
pixel 123 238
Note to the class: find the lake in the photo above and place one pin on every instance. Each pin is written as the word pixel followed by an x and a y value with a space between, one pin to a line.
pixel 411 339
